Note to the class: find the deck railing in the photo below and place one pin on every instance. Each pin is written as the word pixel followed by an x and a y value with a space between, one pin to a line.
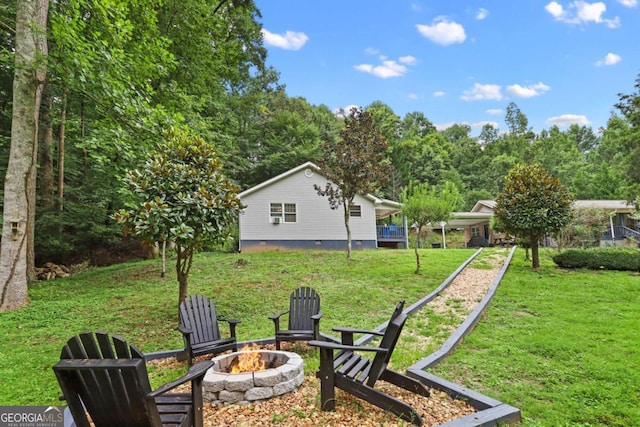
pixel 390 232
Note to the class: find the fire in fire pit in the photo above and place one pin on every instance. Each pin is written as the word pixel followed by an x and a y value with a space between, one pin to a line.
pixel 238 378
pixel 248 360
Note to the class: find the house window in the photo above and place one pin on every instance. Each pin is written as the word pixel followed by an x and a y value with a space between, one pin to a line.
pixel 355 211
pixel 475 231
pixel 285 212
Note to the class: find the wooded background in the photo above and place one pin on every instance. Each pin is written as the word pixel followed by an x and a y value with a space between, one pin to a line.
pixel 119 73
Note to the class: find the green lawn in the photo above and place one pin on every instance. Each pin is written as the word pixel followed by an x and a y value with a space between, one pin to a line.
pixel 563 346
pixel 133 301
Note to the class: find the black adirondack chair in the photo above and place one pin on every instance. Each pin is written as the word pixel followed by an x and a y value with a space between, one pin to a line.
pixel 105 378
pixel 358 374
pixel 199 327
pixel 304 317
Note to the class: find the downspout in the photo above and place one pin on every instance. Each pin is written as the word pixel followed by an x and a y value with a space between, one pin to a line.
pixel 613 234
pixel 406 231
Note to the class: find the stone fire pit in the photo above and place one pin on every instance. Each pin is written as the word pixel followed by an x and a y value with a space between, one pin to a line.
pixel 285 373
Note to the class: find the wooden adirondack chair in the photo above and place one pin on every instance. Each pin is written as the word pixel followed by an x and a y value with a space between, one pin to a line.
pixel 358 375
pixel 199 327
pixel 304 317
pixel 106 379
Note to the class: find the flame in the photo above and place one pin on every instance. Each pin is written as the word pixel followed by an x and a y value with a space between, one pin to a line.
pixel 249 360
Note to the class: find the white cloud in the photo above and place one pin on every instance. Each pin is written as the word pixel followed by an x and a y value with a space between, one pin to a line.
pixel 555 9
pixel 494 111
pixel 527 91
pixel 443 32
pixel 480 125
pixel 481 14
pixel 409 60
pixel 628 3
pixel 582 12
pixel 438 93
pixel 482 92
pixel 344 111
pixel 290 40
pixel 569 119
pixel 443 126
pixel 413 96
pixel 387 67
pixel 609 59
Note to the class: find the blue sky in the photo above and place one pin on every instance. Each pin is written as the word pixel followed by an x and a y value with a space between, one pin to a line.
pixel 561 62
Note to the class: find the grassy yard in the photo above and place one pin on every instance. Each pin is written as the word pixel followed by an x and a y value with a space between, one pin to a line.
pixel 133 301
pixel 563 346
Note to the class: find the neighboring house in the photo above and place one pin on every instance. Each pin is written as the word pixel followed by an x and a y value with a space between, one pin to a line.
pixel 286 212
pixel 478 232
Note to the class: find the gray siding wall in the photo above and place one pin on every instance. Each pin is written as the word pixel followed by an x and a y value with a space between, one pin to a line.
pixel 315 219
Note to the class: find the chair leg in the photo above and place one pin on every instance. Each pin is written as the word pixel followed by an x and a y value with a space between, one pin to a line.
pixel 277 344
pixel 379 399
pixel 405 382
pixel 326 375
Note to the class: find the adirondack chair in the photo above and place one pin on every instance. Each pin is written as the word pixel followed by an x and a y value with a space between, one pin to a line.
pixel 104 379
pixel 304 317
pixel 358 375
pixel 199 327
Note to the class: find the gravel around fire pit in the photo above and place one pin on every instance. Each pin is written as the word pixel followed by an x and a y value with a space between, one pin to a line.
pixel 302 406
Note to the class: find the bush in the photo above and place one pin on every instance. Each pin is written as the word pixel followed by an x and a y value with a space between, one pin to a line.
pixel 625 259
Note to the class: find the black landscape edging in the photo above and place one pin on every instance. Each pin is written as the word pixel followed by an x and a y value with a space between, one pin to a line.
pixel 490 411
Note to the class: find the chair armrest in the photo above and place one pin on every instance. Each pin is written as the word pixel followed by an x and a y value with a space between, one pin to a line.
pixel 277 316
pixel 185 330
pixel 316 317
pixel 230 321
pixel 196 371
pixel 334 346
pixel 357 331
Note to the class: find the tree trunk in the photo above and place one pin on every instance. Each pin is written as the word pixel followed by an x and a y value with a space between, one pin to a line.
pixel 535 257
pixel 45 145
pixel 347 210
pixel 16 250
pixel 61 140
pixel 183 266
pixel 417 258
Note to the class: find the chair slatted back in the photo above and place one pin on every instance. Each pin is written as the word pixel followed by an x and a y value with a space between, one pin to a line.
pixel 389 341
pixel 198 313
pixel 304 302
pixel 107 378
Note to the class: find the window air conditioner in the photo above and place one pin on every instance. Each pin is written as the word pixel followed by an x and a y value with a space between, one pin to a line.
pixel 275 220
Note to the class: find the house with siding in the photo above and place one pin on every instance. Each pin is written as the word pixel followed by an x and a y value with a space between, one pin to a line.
pixel 477 230
pixel 286 212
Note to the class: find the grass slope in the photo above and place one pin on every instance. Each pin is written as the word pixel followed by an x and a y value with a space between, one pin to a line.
pixel 131 300
pixel 563 346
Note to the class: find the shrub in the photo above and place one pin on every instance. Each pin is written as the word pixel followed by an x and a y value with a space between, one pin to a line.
pixel 626 259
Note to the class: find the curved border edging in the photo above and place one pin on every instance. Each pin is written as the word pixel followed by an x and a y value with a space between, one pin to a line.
pixel 490 411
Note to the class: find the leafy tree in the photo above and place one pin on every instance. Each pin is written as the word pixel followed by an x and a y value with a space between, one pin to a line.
pixel 532 204
pixel 355 165
pixel 17 246
pixel 425 207
pixel 182 197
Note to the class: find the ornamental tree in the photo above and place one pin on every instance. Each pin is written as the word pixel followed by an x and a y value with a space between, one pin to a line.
pixel 532 204
pixel 182 197
pixel 355 165
pixel 423 207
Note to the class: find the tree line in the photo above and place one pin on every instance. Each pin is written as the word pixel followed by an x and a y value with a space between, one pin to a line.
pixel 113 76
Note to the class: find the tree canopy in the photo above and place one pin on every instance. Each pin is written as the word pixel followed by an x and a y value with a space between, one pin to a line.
pixel 357 164
pixel 532 204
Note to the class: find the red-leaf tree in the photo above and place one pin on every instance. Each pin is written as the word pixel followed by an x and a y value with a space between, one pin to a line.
pixel 356 164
